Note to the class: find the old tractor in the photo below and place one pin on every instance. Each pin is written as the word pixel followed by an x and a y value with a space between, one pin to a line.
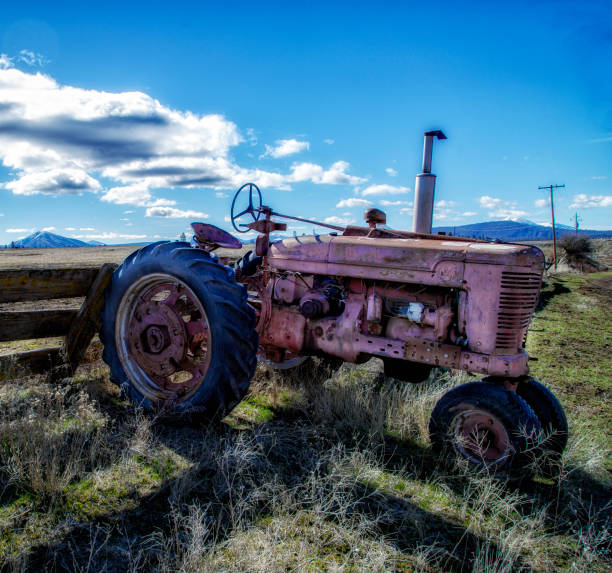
pixel 182 332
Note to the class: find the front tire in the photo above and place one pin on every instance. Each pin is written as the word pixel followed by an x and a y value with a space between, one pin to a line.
pixel 552 419
pixel 178 333
pixel 487 425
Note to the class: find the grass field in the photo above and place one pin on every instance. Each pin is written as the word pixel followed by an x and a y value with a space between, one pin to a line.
pixel 306 475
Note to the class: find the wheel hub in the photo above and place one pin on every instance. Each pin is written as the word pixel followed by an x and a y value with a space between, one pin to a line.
pixel 157 337
pixel 163 338
pixel 480 436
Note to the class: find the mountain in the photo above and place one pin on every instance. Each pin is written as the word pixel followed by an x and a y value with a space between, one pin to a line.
pixel 503 230
pixel 44 239
pixel 516 231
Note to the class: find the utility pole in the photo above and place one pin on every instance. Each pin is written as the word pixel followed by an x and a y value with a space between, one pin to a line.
pixel 576 222
pixel 552 213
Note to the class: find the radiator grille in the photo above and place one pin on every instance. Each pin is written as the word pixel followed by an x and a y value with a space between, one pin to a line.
pixel 517 300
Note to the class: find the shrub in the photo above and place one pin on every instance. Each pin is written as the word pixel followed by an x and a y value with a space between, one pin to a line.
pixel 578 251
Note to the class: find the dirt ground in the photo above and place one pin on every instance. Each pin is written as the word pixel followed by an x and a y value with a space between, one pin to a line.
pixel 78 256
pixel 64 257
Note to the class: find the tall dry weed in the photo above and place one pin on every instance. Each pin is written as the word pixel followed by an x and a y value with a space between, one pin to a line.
pixel 48 438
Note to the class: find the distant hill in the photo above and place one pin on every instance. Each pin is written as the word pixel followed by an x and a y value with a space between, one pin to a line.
pixel 44 239
pixel 516 231
pixel 502 230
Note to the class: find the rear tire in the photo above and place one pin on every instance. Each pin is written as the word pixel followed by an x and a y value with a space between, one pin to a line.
pixel 488 426
pixel 178 333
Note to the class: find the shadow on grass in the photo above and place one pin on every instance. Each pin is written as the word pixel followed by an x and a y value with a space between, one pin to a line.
pixel 550 290
pixel 236 475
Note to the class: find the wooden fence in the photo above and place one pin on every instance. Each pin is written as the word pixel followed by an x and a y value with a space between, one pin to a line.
pixel 77 325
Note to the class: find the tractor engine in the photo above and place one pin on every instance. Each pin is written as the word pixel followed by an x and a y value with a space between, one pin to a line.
pixel 437 301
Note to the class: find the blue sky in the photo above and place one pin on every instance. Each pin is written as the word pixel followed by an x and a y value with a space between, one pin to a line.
pixel 125 121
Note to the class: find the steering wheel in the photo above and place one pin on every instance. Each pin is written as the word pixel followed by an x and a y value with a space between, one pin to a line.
pixel 253 210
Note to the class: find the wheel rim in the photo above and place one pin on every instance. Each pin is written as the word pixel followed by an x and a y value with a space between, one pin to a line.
pixel 480 437
pixel 163 338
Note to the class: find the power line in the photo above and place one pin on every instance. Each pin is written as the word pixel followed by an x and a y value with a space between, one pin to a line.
pixel 552 213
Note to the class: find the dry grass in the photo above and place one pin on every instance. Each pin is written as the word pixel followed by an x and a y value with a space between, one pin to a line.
pixel 79 256
pixel 335 476
pixel 310 473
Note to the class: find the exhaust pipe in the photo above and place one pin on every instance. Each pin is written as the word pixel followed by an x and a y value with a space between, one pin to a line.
pixel 424 188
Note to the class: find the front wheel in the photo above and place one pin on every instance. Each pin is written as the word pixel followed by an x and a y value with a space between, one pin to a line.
pixel 552 419
pixel 487 425
pixel 178 333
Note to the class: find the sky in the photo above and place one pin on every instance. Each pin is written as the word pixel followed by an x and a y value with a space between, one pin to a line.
pixel 124 122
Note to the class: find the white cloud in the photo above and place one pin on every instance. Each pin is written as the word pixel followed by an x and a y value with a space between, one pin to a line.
pixel 63 140
pixel 391 171
pixel 501 209
pixel 128 212
pixel 18 230
pixel 384 190
pixel 32 58
pixel 251 136
pixel 598 177
pixel 135 194
pixel 221 195
pixel 489 202
pixel 5 62
pixel 444 210
pixel 354 202
pixel 48 229
pixel 329 141
pixel 387 203
pixel 338 220
pixel 173 213
pixel 69 229
pixel 335 175
pixel 539 203
pixel 284 147
pixel 53 128
pixel 67 181
pixel 509 213
pixel 468 214
pixel 585 201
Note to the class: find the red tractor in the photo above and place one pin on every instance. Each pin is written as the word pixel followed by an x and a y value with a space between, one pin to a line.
pixel 182 331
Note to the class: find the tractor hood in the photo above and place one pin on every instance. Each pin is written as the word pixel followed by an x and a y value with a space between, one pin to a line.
pixel 397 259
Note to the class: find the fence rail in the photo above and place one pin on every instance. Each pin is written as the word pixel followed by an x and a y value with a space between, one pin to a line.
pixel 77 325
pixel 18 285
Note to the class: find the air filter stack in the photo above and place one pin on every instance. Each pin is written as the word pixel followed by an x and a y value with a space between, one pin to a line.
pixel 424 187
